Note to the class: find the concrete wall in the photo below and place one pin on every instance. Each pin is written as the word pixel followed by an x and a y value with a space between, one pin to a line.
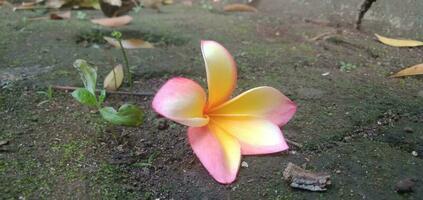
pixel 389 17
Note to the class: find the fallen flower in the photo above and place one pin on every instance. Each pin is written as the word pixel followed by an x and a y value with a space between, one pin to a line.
pixel 220 128
pixel 114 21
pixel 129 43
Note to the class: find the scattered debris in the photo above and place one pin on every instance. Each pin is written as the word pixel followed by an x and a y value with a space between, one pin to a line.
pixel 25 6
pixel 129 43
pixel 405 185
pixel 70 88
pixel 238 7
pixel 399 42
pixel 244 164
pixel 323 36
pixel 55 3
pixel 294 143
pixel 114 21
pixel 304 179
pixel 4 142
pixel 326 74
pixel 60 15
pixel 410 71
pixel 162 124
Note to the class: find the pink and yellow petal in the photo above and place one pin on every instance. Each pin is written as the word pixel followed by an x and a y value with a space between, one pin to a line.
pixel 221 72
pixel 183 101
pixel 256 135
pixel 218 151
pixel 266 102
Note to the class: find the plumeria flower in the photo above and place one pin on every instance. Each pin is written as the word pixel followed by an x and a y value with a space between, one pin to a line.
pixel 222 129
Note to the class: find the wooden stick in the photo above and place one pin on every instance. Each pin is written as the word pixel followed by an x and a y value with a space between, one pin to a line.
pixel 294 143
pixel 365 6
pixel 59 87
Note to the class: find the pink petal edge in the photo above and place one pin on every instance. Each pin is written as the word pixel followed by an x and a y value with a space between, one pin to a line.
pixel 211 155
pixel 181 100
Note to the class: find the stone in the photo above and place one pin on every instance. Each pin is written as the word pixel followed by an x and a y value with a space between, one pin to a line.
pixel 408 130
pixel 405 186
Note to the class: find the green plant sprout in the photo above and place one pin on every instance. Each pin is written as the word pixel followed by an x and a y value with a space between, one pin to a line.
pixel 118 36
pixel 81 15
pixel 147 163
pixel 126 115
pixel 48 93
pixel 347 67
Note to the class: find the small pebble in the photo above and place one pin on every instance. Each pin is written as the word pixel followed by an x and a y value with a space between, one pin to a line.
pixel 120 148
pixel 408 130
pixel 163 125
pixel 244 164
pixel 347 138
pixel 4 142
pixel 405 185
pixel 414 153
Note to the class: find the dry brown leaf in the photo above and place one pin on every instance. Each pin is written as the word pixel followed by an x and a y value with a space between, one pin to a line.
pixel 55 3
pixel 414 70
pixel 60 15
pixel 399 42
pixel 238 7
pixel 130 43
pixel 114 79
pixel 25 6
pixel 114 21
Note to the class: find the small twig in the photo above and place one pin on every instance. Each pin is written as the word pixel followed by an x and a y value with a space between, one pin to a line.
pixel 323 35
pixel 365 6
pixel 294 143
pixel 58 87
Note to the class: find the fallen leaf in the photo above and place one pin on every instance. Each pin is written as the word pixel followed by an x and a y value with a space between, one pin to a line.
pixel 414 70
pixel 129 43
pixel 55 3
pixel 127 115
pixel 399 42
pixel 167 2
pixel 114 2
pixel 60 15
pixel 114 21
pixel 88 4
pixel 25 6
pixel 238 7
pixel 114 79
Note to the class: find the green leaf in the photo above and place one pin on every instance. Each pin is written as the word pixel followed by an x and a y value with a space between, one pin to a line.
pixel 101 97
pixel 88 74
pixel 128 115
pixel 85 97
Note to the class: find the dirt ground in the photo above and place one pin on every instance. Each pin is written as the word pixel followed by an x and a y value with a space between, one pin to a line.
pixel 353 121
